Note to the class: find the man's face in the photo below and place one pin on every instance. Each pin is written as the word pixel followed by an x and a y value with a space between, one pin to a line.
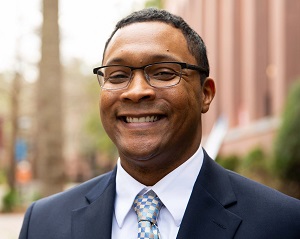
pixel 157 128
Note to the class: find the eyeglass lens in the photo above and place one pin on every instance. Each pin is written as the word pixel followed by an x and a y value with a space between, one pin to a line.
pixel 157 75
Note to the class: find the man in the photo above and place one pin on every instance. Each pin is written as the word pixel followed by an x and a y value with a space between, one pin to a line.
pixel 155 86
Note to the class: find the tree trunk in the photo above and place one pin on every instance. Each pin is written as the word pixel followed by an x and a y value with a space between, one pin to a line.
pixel 15 95
pixel 50 161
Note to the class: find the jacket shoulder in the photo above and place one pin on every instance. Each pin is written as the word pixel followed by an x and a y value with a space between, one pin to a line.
pixel 275 213
pixel 264 212
pixel 50 217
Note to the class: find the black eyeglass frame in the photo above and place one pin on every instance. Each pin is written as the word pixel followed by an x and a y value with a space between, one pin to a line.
pixel 183 65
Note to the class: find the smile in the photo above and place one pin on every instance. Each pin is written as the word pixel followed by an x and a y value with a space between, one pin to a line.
pixel 145 119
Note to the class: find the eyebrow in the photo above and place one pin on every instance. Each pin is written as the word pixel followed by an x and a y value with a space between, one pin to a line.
pixel 151 59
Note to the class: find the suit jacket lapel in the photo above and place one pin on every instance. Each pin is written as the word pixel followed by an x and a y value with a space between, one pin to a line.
pixel 207 214
pixel 94 221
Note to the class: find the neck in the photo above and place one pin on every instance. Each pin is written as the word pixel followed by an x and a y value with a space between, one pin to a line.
pixel 149 172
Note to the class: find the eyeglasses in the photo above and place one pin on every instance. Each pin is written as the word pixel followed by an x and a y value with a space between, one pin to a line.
pixel 158 75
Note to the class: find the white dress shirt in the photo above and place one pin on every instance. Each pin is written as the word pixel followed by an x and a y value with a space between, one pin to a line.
pixel 174 190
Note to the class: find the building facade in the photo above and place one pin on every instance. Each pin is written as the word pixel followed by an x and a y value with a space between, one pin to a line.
pixel 254 53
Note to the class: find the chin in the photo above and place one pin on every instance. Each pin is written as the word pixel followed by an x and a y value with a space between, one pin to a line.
pixel 139 155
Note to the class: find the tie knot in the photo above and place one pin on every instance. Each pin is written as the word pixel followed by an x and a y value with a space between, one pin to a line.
pixel 147 207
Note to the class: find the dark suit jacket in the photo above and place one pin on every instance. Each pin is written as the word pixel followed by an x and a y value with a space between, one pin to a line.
pixel 223 205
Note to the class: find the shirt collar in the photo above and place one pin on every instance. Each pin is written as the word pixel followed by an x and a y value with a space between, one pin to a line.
pixel 177 184
pixel 125 195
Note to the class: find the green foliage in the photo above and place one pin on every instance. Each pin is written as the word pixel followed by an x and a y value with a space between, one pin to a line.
pixel 154 3
pixel 287 144
pixel 10 201
pixel 255 160
pixel 231 162
pixel 96 138
pixel 2 177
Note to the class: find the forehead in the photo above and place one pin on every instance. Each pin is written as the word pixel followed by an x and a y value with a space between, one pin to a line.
pixel 146 42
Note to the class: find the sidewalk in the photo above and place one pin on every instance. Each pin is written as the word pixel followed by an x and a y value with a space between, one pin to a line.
pixel 10 225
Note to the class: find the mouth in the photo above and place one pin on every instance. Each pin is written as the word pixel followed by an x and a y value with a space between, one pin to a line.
pixel 143 119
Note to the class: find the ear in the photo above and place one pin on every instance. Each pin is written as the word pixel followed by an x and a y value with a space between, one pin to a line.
pixel 208 93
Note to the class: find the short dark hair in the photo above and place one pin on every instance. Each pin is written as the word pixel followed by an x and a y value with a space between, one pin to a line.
pixel 195 43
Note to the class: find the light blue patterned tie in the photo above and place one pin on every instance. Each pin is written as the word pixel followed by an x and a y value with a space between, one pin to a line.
pixel 147 208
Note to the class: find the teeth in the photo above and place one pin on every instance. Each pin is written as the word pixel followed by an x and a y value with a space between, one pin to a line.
pixel 141 119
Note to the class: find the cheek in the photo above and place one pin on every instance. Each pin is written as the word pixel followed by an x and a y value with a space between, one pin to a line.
pixel 106 103
pixel 186 100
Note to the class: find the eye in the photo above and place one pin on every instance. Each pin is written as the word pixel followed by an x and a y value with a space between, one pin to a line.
pixel 117 77
pixel 163 74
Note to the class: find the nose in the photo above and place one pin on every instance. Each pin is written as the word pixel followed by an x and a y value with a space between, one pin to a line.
pixel 138 89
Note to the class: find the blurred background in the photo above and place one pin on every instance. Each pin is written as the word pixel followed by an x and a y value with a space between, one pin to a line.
pixel 50 132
